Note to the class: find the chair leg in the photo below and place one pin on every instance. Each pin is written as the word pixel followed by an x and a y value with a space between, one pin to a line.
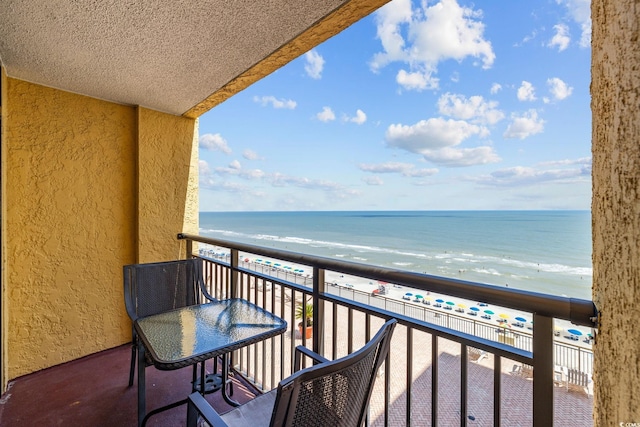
pixel 133 364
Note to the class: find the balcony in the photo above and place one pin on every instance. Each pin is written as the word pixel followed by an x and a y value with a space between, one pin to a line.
pixel 446 367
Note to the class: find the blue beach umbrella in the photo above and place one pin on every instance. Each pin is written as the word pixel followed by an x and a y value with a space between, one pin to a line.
pixel 440 301
pixel 521 319
pixel 474 309
pixel 574 332
pixel 409 294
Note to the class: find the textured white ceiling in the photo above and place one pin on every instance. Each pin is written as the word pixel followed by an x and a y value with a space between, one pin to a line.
pixel 164 55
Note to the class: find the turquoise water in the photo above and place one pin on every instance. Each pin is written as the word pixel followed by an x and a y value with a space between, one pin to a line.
pixel 542 251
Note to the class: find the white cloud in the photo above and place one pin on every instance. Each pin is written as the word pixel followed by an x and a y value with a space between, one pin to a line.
pixel 314 64
pixel 525 125
pixel 525 176
pixel 584 161
pixel 559 89
pixel 459 157
pixel 214 142
pixel 250 155
pixel 416 80
pixel 389 18
pixel 580 12
pixel 426 36
pixel 236 170
pixel 561 38
pixel 203 168
pixel 275 102
pixel 474 108
pixel 326 115
pixel 431 134
pixel 526 92
pixel 436 140
pixel 495 88
pixel 373 180
pixel 359 118
pixel 277 179
pixel 406 169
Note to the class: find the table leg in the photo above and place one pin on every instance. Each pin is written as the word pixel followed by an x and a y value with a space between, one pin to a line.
pixel 226 380
pixel 141 384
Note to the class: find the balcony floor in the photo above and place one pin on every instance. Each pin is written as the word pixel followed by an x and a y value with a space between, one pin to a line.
pixel 93 391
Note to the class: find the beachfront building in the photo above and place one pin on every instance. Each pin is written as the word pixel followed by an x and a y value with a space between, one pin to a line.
pixel 99 115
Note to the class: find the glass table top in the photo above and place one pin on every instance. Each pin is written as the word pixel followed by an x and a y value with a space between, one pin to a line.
pixel 189 335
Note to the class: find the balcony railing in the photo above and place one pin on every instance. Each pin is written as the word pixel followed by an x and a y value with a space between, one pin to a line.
pixel 432 374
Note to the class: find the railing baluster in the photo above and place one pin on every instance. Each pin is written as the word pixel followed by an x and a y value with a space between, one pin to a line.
pixel 434 380
pixel 409 374
pixel 387 384
pixel 542 371
pixel 497 390
pixel 334 343
pixel 463 385
pixel 350 334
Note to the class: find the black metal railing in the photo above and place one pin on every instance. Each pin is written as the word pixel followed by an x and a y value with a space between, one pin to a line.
pixel 342 324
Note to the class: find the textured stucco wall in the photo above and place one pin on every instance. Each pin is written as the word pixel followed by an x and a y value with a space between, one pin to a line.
pixel 167 184
pixel 70 186
pixel 3 305
pixel 615 90
pixel 88 186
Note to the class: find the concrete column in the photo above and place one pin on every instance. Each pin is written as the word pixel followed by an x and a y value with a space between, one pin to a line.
pixel 615 90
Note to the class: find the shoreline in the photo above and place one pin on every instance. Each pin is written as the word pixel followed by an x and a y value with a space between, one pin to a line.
pixel 396 293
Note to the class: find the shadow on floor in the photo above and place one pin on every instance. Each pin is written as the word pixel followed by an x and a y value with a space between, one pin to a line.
pixel 93 391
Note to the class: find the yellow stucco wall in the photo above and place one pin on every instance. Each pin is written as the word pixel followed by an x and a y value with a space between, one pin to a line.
pixel 168 148
pixel 89 186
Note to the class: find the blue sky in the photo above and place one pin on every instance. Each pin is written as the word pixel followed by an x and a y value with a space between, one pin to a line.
pixel 419 106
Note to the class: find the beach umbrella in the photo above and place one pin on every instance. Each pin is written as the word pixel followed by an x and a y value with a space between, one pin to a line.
pixel 277 264
pixel 521 319
pixel 451 303
pixel 428 298
pixel 267 262
pixel 489 312
pixel 419 296
pixel 409 294
pixel 440 301
pixel 258 260
pixel 462 306
pixel 574 332
pixel 246 260
pixel 503 316
pixel 474 309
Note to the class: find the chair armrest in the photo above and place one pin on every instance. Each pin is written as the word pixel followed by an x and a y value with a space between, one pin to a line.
pixel 198 403
pixel 297 363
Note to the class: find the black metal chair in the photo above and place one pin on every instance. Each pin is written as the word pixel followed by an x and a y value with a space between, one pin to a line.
pixel 330 393
pixel 157 287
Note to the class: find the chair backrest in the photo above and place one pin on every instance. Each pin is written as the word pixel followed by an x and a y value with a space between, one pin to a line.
pixel 156 287
pixel 334 393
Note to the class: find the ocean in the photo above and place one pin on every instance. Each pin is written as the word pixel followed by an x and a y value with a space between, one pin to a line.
pixel 541 251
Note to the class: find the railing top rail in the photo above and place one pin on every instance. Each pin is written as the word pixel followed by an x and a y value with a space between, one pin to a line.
pixel 578 311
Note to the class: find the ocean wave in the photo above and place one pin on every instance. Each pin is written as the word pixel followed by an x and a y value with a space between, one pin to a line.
pixel 491 263
pixel 489 271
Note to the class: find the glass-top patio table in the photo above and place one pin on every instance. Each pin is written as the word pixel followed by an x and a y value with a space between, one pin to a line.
pixel 190 335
